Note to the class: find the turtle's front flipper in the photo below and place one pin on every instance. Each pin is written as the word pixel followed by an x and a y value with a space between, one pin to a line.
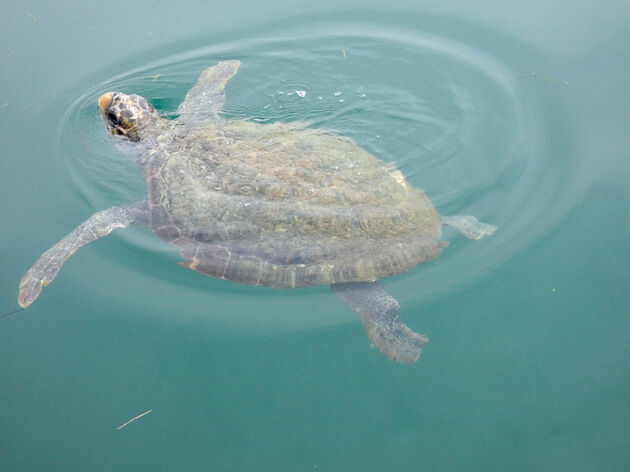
pixel 98 225
pixel 378 312
pixel 469 226
pixel 206 98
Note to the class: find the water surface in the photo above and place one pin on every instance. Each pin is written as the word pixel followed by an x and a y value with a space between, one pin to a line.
pixel 516 114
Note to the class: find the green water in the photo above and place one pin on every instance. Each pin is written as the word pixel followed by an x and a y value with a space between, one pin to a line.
pixel 515 112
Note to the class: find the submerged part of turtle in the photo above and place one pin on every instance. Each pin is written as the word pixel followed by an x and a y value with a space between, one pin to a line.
pixel 279 205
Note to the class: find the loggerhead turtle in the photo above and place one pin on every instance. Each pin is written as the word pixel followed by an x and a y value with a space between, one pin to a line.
pixel 278 205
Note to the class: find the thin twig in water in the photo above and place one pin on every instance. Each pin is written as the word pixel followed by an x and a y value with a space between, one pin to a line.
pixel 11 313
pixel 134 419
pixel 85 143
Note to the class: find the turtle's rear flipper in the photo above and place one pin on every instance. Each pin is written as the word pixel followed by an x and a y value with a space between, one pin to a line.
pixel 378 312
pixel 469 226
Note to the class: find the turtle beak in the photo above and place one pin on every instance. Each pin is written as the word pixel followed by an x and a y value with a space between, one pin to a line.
pixel 104 102
pixel 103 105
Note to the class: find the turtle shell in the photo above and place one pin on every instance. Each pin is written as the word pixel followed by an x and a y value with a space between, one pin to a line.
pixel 286 206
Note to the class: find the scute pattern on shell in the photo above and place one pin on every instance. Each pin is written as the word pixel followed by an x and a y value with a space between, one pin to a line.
pixel 284 206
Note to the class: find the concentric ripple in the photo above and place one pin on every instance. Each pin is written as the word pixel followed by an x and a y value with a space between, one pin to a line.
pixel 458 121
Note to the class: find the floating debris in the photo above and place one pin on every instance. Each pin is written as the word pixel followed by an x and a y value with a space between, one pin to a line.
pixel 301 93
pixel 31 16
pixel 134 419
pixel 534 75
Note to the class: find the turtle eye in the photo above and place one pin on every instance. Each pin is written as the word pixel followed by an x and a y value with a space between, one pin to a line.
pixel 112 119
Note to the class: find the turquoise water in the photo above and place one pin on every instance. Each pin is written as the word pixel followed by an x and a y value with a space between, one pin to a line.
pixel 515 113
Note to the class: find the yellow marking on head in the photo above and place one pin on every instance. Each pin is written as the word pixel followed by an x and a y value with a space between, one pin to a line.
pixel 104 102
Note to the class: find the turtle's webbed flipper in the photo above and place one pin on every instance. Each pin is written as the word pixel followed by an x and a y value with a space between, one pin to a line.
pixel 469 226
pixel 98 225
pixel 205 100
pixel 378 311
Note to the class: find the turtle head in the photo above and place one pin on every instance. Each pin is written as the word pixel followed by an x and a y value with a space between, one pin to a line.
pixel 129 116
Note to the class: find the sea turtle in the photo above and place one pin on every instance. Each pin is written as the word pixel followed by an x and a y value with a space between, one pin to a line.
pixel 278 205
